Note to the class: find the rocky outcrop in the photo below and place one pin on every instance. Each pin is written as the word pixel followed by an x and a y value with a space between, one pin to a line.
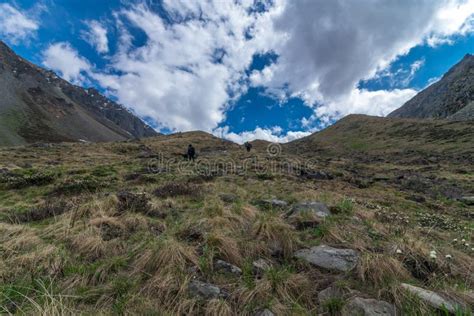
pixel 451 97
pixel 330 258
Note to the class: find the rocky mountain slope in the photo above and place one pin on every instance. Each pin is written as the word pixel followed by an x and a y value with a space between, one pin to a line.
pixel 359 219
pixel 38 106
pixel 452 97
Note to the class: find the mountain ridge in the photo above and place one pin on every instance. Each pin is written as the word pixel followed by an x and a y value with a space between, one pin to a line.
pixel 451 97
pixel 39 106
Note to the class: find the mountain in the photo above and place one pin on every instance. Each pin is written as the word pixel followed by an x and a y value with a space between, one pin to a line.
pixel 38 106
pixel 452 97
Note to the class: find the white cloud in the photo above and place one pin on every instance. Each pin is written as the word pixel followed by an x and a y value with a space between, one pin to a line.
pixel 96 36
pixel 16 26
pixel 330 46
pixel 63 58
pixel 269 134
pixel 187 71
pixel 378 103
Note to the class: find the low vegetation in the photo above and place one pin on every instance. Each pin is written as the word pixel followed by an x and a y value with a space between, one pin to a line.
pixel 97 232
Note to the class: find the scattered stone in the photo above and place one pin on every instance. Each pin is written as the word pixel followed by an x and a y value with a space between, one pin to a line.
pixel 272 203
pixel 330 258
pixel 260 266
pixel 431 298
pixel 368 307
pixel 332 292
pixel 316 175
pixel 221 265
pixel 468 200
pixel 311 208
pixel 265 312
pixel 308 214
pixel 204 290
pixel 228 197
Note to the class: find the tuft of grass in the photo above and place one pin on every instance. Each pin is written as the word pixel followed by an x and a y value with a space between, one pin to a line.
pixel 276 233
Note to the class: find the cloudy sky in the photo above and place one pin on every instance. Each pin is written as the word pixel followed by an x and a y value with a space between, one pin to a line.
pixel 271 69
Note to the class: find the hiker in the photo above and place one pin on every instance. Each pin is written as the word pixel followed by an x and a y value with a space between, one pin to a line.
pixel 191 153
pixel 248 146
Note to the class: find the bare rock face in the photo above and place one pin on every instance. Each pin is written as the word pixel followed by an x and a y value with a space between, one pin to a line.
pixel 432 298
pixel 330 258
pixel 452 97
pixel 368 307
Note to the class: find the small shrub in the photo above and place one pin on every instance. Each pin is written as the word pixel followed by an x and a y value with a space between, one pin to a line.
pixel 31 178
pixel 133 202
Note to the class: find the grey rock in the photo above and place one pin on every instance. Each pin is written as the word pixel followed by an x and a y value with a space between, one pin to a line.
pixel 265 312
pixel 368 307
pixel 223 266
pixel 273 203
pixel 468 200
pixel 308 214
pixel 432 298
pixel 260 266
pixel 329 293
pixel 204 290
pixel 310 208
pixel 329 258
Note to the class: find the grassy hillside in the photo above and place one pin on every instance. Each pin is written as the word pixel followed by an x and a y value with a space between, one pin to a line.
pixel 132 228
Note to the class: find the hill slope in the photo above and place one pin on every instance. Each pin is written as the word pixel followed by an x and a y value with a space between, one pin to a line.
pixel 133 228
pixel 451 97
pixel 37 106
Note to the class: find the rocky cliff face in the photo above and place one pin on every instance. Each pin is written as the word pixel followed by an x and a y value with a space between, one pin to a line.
pixel 452 97
pixel 38 106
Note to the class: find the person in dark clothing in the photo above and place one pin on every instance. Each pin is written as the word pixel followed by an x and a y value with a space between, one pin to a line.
pixel 191 153
pixel 248 146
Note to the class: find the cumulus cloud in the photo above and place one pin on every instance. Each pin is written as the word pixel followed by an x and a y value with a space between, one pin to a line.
pixel 191 67
pixel 15 25
pixel 63 58
pixel 330 46
pixel 96 36
pixel 273 135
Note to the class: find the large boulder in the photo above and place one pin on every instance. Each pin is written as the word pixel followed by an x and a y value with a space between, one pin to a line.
pixel 204 290
pixel 330 258
pixel 368 307
pixel 330 293
pixel 432 298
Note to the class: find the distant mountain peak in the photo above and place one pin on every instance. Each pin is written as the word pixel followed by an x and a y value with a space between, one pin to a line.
pixel 38 106
pixel 452 97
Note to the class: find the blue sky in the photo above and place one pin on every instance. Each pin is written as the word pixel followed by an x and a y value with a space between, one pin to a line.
pixel 271 69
